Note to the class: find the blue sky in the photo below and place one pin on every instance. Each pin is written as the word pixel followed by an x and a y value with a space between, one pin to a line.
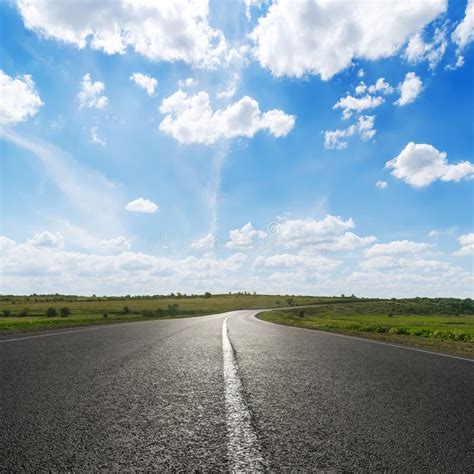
pixel 138 143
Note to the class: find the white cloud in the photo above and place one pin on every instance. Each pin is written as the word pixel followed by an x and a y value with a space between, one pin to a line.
pixel 28 268
pixel 459 63
pixel 90 94
pixel 205 243
pixel 142 205
pixel 381 86
pixel 418 50
pixel 464 32
pixel 190 119
pixel 466 242
pixel 19 99
pixel 350 104
pixel 190 81
pixel 421 164
pixel 96 137
pixel 148 83
pixel 397 247
pixel 244 237
pixel 117 245
pixel 360 73
pixel 410 88
pixel 320 37
pixel 336 139
pixel 47 239
pixel 231 88
pixel 160 31
pixel 327 234
pixel 433 234
pixel 296 261
pixel 381 184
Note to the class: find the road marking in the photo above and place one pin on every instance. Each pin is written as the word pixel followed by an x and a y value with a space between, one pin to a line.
pixel 398 346
pixel 243 447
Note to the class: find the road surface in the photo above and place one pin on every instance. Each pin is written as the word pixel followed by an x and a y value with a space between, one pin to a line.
pixel 229 392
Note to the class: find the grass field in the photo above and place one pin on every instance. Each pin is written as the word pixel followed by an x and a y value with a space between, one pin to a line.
pixel 425 324
pixel 441 323
pixel 27 313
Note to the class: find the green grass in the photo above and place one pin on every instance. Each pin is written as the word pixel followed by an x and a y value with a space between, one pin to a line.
pixel 389 321
pixel 89 310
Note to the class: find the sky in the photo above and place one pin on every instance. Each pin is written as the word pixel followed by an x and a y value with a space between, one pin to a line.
pixel 294 147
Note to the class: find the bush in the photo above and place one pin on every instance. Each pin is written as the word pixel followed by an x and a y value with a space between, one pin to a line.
pixel 148 313
pixel 301 313
pixel 24 312
pixel 126 310
pixel 173 309
pixel 159 312
pixel 64 312
pixel 207 294
pixel 7 313
pixel 105 315
pixel 51 312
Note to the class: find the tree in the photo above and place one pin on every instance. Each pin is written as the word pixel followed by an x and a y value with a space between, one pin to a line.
pixel 64 312
pixel 207 294
pixel 290 301
pixel 7 313
pixel 51 312
pixel 126 310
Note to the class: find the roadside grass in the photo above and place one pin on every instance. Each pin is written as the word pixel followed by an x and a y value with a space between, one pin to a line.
pixel 383 321
pixel 29 313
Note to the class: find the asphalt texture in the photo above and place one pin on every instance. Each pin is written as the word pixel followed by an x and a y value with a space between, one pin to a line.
pixel 150 396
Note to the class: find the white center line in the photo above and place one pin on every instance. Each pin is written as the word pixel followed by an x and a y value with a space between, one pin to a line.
pixel 243 447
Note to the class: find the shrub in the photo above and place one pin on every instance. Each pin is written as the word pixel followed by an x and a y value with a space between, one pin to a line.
pixel 24 312
pixel 51 312
pixel 126 310
pixel 148 313
pixel 6 313
pixel 173 309
pixel 64 312
pixel 105 315
pixel 159 312
pixel 301 313
pixel 207 294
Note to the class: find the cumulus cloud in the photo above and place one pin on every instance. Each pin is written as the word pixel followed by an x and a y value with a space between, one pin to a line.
pixel 206 243
pixel 148 83
pixel 244 237
pixel 327 234
pixel 28 268
pixel 319 37
pixel 142 205
pixel 19 99
pixel 337 139
pixel 381 184
pixel 160 31
pixel 291 261
pixel 47 239
pixel 466 242
pixel 190 119
pixel 421 164
pixel 464 32
pixel 418 50
pixel 381 86
pixel 90 94
pixel 397 247
pixel 409 89
pixel 351 104
pixel 117 245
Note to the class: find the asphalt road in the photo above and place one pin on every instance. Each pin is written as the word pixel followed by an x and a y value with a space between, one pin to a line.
pixel 191 395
